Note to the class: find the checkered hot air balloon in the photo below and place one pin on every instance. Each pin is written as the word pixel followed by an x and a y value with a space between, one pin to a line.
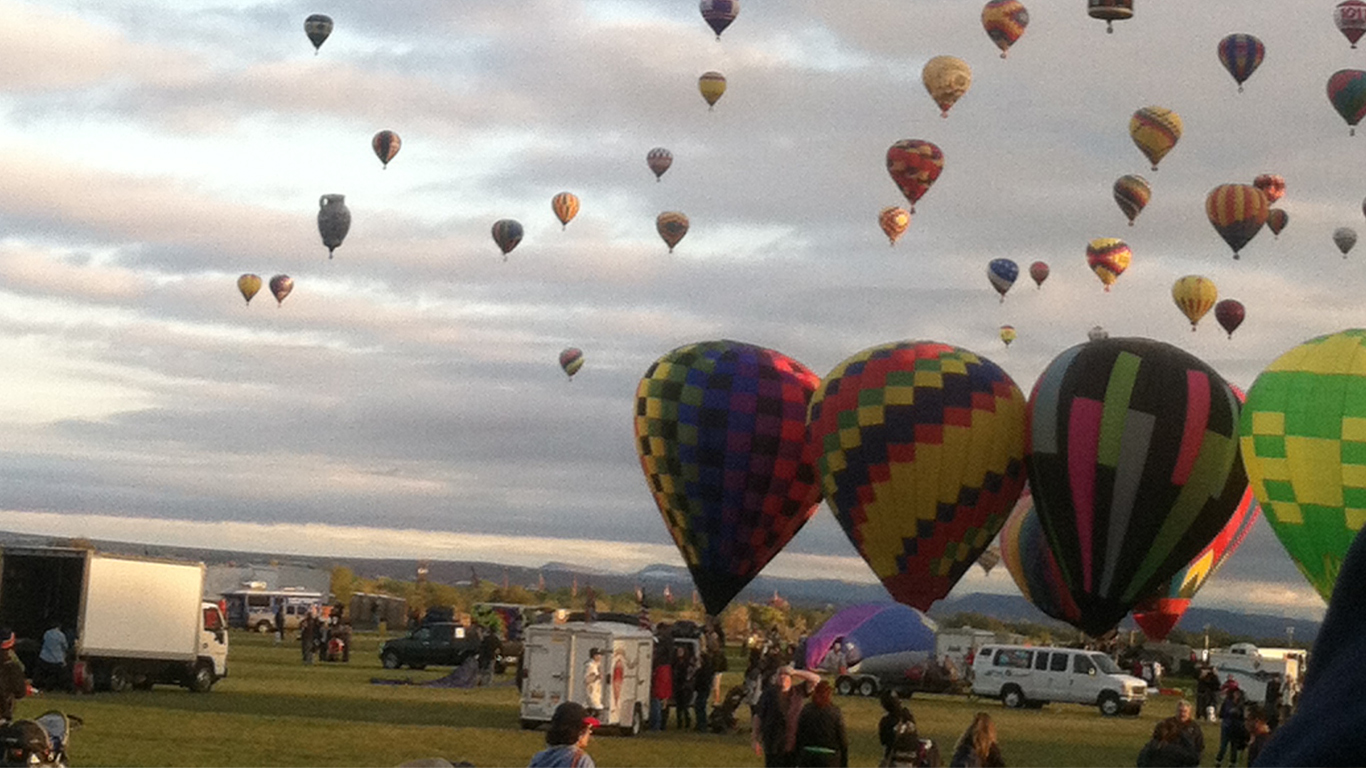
pixel 920 450
pixel 721 431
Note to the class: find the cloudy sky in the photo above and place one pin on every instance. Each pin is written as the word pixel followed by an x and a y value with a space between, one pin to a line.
pixel 405 399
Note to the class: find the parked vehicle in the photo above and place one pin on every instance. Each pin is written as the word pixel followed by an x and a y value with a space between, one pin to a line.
pixel 1254 667
pixel 255 608
pixel 441 644
pixel 555 658
pixel 137 621
pixel 1024 676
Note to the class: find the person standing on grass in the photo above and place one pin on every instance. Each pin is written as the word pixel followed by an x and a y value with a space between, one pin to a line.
pixel 489 648
pixel 567 740
pixel 1232 728
pixel 592 680
pixel 702 681
pixel 308 636
pixel 821 738
pixel 977 748
pixel 13 684
pixel 661 691
pixel 279 623
pixel 52 671
pixel 1188 731
pixel 682 687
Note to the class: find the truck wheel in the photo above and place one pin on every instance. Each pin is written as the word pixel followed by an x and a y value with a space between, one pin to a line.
pixel 264 626
pixel 202 678
pixel 1109 703
pixel 142 682
pixel 844 686
pixel 867 688
pixel 390 661
pixel 1012 696
pixel 119 679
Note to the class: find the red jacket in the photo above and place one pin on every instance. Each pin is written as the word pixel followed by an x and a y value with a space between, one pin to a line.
pixel 663 685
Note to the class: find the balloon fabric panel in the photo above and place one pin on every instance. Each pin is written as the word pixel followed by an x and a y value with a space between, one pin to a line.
pixel 1025 552
pixel 720 429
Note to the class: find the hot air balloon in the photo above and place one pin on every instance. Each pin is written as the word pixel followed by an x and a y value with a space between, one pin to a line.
pixel 1350 18
pixel 1024 550
pixel 1132 194
pixel 719 14
pixel 873 637
pixel 1271 185
pixel 1276 219
pixel 317 27
pixel 1241 55
pixel 1108 257
pixel 566 206
pixel 1237 212
pixel 711 85
pixel 672 226
pixel 914 165
pixel 1039 272
pixel 1347 92
pixel 1194 296
pixel 1155 130
pixel 1110 10
pixel 334 221
pixel 1345 238
pixel 920 451
pixel 659 159
pixel 1007 334
pixel 894 222
pixel 1229 313
pixel 507 233
pixel 1097 333
pixel 990 558
pixel 1002 274
pixel 248 284
pixel 720 429
pixel 385 144
pixel 281 285
pixel 1133 452
pixel 947 79
pixel 571 360
pixel 1004 21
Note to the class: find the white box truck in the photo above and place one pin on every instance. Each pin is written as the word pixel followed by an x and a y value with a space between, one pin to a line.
pixel 555 658
pixel 137 621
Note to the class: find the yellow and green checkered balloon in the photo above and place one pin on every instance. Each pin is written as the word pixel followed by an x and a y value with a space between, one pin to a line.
pixel 1303 435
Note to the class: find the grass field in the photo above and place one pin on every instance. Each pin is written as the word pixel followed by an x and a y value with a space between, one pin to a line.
pixel 273 711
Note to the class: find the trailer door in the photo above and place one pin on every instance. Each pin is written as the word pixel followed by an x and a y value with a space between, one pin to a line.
pixel 548 673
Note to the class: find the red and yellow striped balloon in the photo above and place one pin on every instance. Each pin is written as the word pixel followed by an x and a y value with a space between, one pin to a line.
pixel 1194 296
pixel 1155 130
pixel 1108 257
pixel 1237 212
pixel 566 207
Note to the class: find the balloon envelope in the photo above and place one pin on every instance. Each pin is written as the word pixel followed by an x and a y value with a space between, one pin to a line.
pixel 1271 185
pixel 1347 93
pixel 920 450
pixel 566 207
pixel 281 285
pixel 1237 212
pixel 659 159
pixel 1241 54
pixel 711 85
pixel 1344 238
pixel 1007 336
pixel 1002 273
pixel 1229 313
pixel 1004 21
pixel 914 165
pixel 1110 10
pixel 946 78
pixel 386 145
pixel 1133 450
pixel 571 360
pixel 1108 257
pixel 1155 130
pixel 719 14
pixel 317 27
pixel 507 233
pixel 720 430
pixel 1276 219
pixel 672 226
pixel 894 222
pixel 1194 296
pixel 1350 18
pixel 871 630
pixel 1024 549
pixel 248 284
pixel 1039 272
pixel 1132 194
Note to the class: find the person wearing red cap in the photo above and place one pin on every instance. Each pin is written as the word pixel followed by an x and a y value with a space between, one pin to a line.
pixel 567 740
pixel 13 685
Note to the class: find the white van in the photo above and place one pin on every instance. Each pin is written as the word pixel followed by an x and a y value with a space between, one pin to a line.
pixel 555 655
pixel 1026 676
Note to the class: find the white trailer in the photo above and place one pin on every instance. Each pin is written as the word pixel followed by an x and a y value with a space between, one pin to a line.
pixel 555 658
pixel 1254 667
pixel 137 621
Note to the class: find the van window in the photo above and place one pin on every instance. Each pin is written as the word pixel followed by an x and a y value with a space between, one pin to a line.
pixel 258 601
pixel 1041 660
pixel 1106 664
pixel 1059 663
pixel 1018 658
pixel 1082 665
pixel 985 653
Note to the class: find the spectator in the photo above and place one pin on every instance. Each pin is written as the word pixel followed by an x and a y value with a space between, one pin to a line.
pixel 702 682
pixel 1167 748
pixel 1232 728
pixel 592 681
pixel 661 692
pixel 489 647
pixel 977 748
pixel 567 740
pixel 821 738
pixel 279 623
pixel 774 728
pixel 1206 693
pixel 51 673
pixel 898 735
pixel 308 636
pixel 13 685
pixel 1258 730
pixel 1189 732
pixel 683 686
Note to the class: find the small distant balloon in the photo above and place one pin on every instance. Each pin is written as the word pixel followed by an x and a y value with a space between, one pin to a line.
pixel 1271 185
pixel 1241 54
pixel 1194 296
pixel 1007 334
pixel 719 14
pixel 1002 273
pixel 1345 238
pixel 1155 130
pixel 946 78
pixel 317 27
pixel 659 159
pixel 914 165
pixel 248 284
pixel 334 221
pixel 1108 257
pixel 894 221
pixel 385 144
pixel 1110 11
pixel 1097 333
pixel 1004 21
pixel 1132 194
pixel 1039 272
pixel 672 226
pixel 281 285
pixel 711 85
pixel 1350 18
pixel 1347 92
pixel 1230 314
pixel 571 360
pixel 566 207
pixel 1276 219
pixel 507 233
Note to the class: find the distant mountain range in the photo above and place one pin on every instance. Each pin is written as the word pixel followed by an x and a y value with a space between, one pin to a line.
pixel 803 593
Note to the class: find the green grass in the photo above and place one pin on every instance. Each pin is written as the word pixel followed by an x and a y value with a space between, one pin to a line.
pixel 273 710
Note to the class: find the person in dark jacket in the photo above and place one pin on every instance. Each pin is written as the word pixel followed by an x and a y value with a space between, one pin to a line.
pixel 1167 748
pixel 1232 728
pixel 13 683
pixel 821 738
pixel 898 734
pixel 683 687
pixel 977 748
pixel 702 685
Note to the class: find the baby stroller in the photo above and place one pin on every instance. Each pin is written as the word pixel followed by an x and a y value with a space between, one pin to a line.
pixel 38 742
pixel 722 718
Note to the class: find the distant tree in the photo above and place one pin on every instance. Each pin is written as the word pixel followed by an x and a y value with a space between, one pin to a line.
pixel 343 584
pixel 78 542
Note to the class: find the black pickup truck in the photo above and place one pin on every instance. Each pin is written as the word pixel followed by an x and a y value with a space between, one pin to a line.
pixel 442 644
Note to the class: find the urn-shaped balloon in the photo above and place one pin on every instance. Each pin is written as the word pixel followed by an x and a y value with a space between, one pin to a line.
pixel 334 221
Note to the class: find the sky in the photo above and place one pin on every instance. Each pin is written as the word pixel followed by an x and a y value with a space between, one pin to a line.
pixel 406 399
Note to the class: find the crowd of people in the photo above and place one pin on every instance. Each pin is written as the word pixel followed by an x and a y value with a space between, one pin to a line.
pixel 1245 726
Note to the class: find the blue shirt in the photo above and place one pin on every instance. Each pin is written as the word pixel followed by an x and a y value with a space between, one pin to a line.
pixel 54 647
pixel 563 756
